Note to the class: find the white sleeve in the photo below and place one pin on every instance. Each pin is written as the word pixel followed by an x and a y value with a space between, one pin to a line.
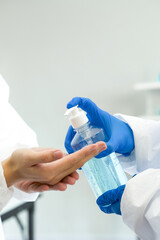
pixel 147 144
pixel 5 192
pixel 140 204
pixel 141 198
pixel 14 134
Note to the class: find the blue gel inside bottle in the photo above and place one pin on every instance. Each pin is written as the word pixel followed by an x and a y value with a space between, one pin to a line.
pixel 105 173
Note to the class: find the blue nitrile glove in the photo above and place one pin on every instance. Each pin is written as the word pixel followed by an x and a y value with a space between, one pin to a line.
pixel 118 134
pixel 110 201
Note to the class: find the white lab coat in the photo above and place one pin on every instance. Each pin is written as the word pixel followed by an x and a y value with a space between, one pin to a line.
pixel 140 203
pixel 14 134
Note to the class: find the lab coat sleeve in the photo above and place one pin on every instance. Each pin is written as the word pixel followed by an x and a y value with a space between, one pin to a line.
pixel 140 204
pixel 5 192
pixel 141 198
pixel 147 145
pixel 14 134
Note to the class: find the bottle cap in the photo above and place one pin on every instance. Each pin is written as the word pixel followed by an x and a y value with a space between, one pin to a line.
pixel 77 117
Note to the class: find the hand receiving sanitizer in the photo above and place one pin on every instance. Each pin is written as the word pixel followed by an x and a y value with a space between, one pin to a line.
pixel 105 173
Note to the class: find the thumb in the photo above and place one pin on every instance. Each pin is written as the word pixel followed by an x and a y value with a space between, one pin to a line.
pixel 110 148
pixel 111 196
pixel 45 156
pixel 86 104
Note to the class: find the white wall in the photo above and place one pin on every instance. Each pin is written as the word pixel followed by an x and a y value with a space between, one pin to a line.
pixel 53 50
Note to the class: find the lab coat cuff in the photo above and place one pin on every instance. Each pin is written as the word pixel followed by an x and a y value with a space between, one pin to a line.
pixel 23 196
pixel 140 139
pixel 128 163
pixel 6 192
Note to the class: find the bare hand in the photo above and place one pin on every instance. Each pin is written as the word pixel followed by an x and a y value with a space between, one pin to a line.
pixel 46 166
pixel 31 187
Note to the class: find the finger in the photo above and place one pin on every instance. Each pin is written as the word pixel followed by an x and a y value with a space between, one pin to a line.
pixel 106 198
pixel 42 188
pixel 69 137
pixel 107 210
pixel 111 196
pixel 108 150
pixel 54 172
pixel 46 156
pixel 37 187
pixel 87 105
pixel 115 208
pixel 112 208
pixel 76 160
pixel 41 149
pixel 69 180
pixel 58 187
pixel 75 175
pixel 112 146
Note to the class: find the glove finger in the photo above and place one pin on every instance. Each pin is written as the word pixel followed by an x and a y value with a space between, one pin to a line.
pixel 111 196
pixel 112 208
pixel 105 209
pixel 85 103
pixel 106 198
pixel 105 153
pixel 88 106
pixel 68 140
pixel 96 116
pixel 112 144
pixel 110 148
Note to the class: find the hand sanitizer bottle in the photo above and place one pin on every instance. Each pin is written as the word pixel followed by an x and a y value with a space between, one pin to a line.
pixel 105 173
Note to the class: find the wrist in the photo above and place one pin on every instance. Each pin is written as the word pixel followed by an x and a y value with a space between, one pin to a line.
pixel 9 172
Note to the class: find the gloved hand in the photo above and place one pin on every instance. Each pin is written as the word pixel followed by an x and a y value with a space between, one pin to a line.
pixel 110 201
pixel 118 135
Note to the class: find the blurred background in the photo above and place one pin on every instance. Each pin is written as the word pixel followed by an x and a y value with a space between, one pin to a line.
pixel 53 50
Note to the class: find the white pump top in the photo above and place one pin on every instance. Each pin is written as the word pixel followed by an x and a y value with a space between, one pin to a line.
pixel 77 117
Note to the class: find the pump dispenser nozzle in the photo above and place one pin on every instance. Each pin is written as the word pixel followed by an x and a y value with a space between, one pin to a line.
pixel 77 117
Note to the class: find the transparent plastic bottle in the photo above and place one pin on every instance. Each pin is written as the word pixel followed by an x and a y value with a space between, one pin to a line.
pixel 105 173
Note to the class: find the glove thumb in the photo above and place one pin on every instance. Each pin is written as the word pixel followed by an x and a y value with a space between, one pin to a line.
pixel 111 196
pixel 110 148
